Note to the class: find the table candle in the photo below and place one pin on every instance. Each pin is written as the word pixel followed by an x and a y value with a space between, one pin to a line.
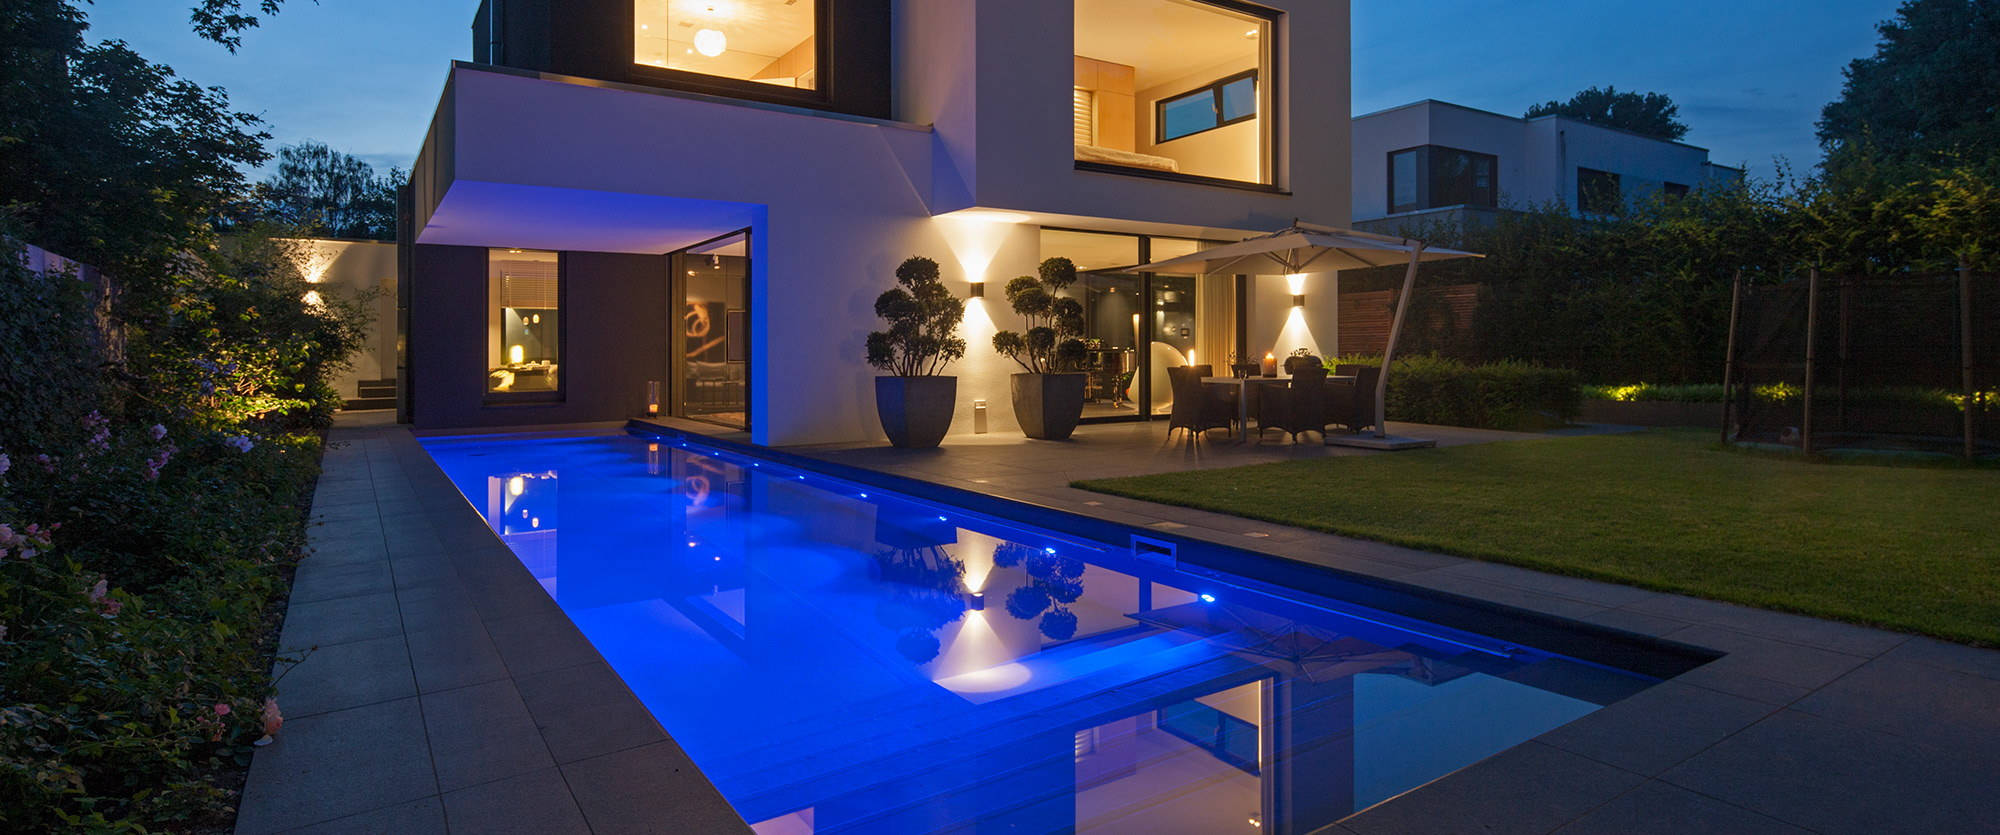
pixel 1270 365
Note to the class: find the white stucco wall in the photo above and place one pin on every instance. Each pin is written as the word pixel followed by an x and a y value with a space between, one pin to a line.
pixel 355 270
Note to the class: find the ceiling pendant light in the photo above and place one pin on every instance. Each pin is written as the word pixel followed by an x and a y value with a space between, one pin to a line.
pixel 710 42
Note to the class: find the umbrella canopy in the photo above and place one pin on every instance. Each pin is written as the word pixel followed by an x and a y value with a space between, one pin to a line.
pixel 1303 248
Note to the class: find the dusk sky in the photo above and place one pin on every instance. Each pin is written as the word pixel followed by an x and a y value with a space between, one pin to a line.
pixel 364 75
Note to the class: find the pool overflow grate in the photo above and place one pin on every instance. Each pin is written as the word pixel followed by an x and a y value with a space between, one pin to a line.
pixel 1155 551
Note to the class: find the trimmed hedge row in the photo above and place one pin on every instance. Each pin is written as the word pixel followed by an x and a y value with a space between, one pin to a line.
pixel 1512 395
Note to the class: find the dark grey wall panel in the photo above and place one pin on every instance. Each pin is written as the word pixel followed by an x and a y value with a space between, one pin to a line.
pixel 615 326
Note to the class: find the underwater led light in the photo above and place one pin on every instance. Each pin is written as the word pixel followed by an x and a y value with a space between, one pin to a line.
pixel 1208 598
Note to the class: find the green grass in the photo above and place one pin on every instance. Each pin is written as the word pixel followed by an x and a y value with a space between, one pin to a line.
pixel 1910 548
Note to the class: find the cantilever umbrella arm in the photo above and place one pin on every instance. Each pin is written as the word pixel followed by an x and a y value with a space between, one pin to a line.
pixel 1395 331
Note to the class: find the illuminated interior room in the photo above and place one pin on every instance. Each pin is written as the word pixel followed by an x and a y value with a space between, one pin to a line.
pixel 767 41
pixel 523 325
pixel 1172 87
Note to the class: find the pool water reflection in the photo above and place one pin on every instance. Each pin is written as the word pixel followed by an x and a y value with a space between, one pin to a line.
pixel 841 661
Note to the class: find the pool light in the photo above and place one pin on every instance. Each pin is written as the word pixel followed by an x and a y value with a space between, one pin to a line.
pixel 1208 598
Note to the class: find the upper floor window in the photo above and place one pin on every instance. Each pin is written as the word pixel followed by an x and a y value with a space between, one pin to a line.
pixel 1598 192
pixel 1674 190
pixel 1225 102
pixel 766 41
pixel 1432 176
pixel 1174 87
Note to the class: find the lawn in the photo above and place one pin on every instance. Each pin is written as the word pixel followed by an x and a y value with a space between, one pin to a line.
pixel 1911 548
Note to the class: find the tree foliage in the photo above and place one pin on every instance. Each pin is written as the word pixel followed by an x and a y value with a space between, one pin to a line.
pixel 224 21
pixel 330 194
pixel 1932 86
pixel 1650 114
pixel 1053 343
pixel 109 158
pixel 923 318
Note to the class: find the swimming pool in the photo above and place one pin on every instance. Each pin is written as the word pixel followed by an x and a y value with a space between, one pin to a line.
pixel 837 658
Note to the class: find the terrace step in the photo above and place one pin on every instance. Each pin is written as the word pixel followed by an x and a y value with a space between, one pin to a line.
pixel 357 404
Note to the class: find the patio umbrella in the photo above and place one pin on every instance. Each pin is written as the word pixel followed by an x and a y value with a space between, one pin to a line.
pixel 1304 248
pixel 1300 649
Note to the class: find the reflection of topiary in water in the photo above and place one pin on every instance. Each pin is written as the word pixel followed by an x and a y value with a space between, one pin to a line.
pixel 1011 554
pixel 1062 591
pixel 1059 624
pixel 918 646
pixel 1027 602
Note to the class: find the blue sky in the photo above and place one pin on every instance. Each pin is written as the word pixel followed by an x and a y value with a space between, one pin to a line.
pixel 1750 75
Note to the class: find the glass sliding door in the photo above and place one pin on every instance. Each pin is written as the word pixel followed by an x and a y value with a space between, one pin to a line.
pixel 1112 305
pixel 712 352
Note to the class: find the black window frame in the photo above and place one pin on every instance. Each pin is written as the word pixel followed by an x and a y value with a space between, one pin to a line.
pixel 1587 197
pixel 561 392
pixel 1427 192
pixel 1674 191
pixel 1214 89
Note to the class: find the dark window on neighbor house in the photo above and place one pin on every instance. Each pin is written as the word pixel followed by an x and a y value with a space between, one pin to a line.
pixel 1226 101
pixel 1598 192
pixel 1433 176
pixel 1675 190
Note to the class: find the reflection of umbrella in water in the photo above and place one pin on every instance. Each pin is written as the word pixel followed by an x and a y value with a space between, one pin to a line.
pixel 1306 651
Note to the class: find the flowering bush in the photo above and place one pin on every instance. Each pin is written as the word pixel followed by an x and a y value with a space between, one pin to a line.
pixel 151 508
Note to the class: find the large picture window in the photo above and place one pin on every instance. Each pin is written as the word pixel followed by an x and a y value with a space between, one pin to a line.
pixel 766 41
pixel 1433 177
pixel 1174 88
pixel 523 323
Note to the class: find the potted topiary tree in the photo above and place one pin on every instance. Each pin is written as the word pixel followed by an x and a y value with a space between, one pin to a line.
pixel 1048 394
pixel 913 401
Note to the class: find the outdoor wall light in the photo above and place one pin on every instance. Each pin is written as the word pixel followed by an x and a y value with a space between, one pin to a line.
pixel 978 602
pixel 978 290
pixel 1298 300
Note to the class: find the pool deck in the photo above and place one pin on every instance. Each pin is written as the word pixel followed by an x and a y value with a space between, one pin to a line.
pixel 448 693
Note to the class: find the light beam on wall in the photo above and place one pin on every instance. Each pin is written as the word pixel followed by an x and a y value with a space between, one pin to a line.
pixel 975 237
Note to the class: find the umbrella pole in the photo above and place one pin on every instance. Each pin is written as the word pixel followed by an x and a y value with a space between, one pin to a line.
pixel 1389 351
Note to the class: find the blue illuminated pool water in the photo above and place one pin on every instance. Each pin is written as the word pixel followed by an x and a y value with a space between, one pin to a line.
pixel 838 659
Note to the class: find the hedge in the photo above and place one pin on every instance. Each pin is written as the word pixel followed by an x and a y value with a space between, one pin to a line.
pixel 1513 395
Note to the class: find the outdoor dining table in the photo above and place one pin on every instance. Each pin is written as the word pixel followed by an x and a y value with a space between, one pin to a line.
pixel 1242 386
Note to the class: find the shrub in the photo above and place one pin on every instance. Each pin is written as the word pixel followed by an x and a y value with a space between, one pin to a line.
pixel 150 512
pixel 1427 388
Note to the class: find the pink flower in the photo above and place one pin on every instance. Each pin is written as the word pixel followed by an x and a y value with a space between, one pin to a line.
pixel 5 463
pixel 157 431
pixel 273 720
pixel 238 442
pixel 221 709
pixel 100 597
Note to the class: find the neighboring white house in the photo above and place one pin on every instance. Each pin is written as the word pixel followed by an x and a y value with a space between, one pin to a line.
pixel 705 199
pixel 1433 160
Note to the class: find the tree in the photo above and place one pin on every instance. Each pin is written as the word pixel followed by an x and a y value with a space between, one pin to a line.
pixel 107 157
pixel 329 193
pixel 1932 86
pixel 1651 114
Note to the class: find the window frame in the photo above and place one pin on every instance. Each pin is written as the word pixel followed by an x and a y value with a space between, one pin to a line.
pixel 1427 183
pixel 819 97
pixel 1214 89
pixel 1617 195
pixel 561 391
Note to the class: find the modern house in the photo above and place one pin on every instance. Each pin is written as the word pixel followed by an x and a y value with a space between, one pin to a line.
pixel 1436 161
pixel 629 206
